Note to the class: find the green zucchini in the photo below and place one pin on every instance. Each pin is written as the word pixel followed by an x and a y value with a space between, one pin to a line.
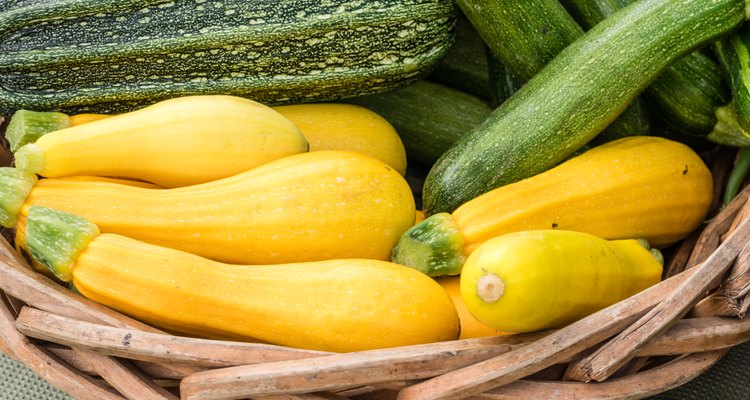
pixel 525 36
pixel 502 82
pixel 465 67
pixel 576 96
pixel 685 96
pixel 428 116
pixel 590 12
pixel 117 55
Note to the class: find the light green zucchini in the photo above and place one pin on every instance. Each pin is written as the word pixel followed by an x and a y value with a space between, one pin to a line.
pixel 685 96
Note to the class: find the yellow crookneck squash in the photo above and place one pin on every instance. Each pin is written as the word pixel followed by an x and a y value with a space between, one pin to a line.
pixel 333 126
pixel 334 305
pixel 177 142
pixel 636 187
pixel 534 280
pixel 310 206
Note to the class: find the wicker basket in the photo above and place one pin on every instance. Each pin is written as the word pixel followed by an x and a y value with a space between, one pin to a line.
pixel 649 343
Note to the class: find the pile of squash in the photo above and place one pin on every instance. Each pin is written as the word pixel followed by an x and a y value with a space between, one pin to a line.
pixel 241 172
pixel 218 216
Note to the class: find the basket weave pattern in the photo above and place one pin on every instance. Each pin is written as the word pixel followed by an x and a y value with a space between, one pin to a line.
pixel 647 344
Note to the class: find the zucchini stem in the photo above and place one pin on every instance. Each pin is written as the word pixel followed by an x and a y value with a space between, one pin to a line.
pixel 15 187
pixel 30 159
pixel 737 176
pixel 56 238
pixel 28 126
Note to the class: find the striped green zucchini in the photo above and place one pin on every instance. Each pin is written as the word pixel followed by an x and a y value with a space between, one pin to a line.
pixel 685 96
pixel 115 55
pixel 576 96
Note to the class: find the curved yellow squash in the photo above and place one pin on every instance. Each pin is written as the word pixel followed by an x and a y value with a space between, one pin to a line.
pixel 636 187
pixel 177 142
pixel 333 305
pixel 332 126
pixel 310 206
pixel 534 280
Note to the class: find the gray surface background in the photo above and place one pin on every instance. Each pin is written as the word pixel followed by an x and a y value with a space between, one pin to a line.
pixel 727 380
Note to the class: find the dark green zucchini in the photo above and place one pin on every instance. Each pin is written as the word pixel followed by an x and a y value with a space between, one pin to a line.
pixel 685 96
pixel 465 67
pixel 590 12
pixel 524 35
pixel 502 82
pixel 576 96
pixel 115 55
pixel 428 116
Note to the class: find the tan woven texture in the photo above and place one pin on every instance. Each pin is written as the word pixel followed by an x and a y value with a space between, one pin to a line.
pixel 727 380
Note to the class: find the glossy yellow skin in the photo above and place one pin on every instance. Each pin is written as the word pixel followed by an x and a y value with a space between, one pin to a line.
pixel 551 278
pixel 635 187
pixel 177 142
pixel 310 206
pixel 470 326
pixel 334 305
pixel 331 126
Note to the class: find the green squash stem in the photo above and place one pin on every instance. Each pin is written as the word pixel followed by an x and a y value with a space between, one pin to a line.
pixel 433 247
pixel 30 159
pixel 27 126
pixel 15 187
pixel 55 239
pixel 727 130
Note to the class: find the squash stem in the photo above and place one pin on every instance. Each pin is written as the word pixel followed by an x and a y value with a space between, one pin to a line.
pixel 433 246
pixel 27 126
pixel 737 176
pixel 727 130
pixel 55 238
pixel 15 187
pixel 30 159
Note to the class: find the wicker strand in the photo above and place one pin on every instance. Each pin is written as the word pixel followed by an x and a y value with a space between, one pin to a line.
pixel 615 353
